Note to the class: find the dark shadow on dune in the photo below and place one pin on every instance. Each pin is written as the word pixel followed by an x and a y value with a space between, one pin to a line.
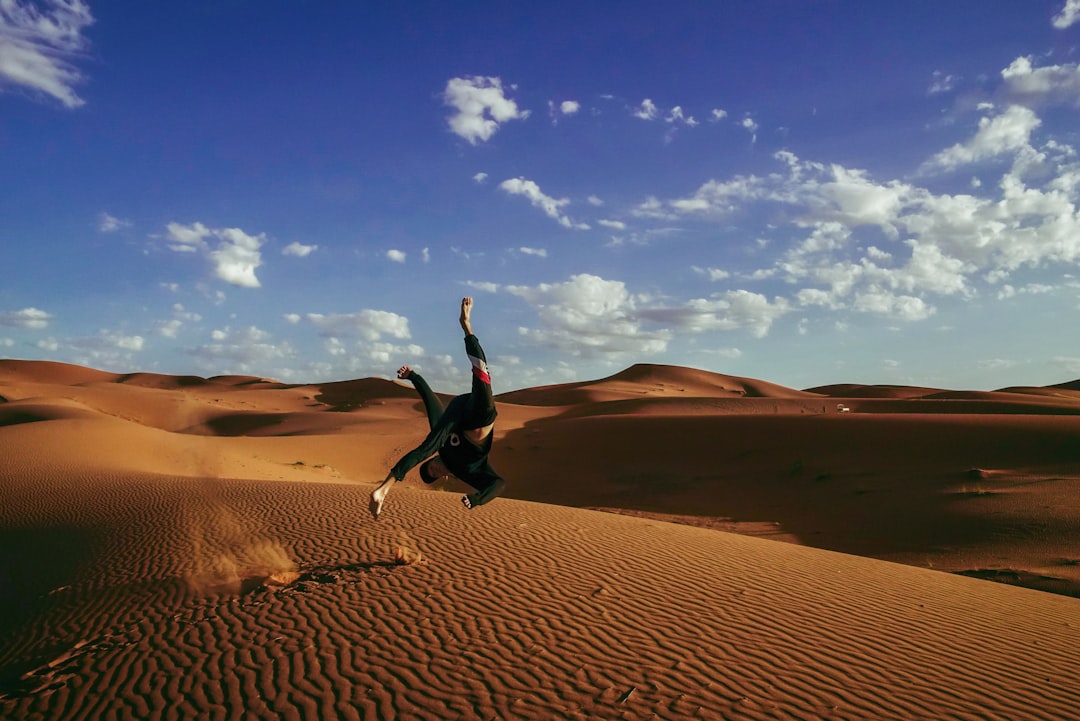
pixel 345 396
pixel 15 417
pixel 34 564
pixel 868 485
pixel 242 424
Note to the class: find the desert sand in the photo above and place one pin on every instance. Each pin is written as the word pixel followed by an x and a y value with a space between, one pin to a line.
pixel 673 543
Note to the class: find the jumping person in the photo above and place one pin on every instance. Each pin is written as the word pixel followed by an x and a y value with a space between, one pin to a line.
pixel 460 434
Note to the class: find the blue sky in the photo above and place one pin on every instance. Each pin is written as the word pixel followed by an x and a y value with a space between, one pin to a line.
pixel 803 192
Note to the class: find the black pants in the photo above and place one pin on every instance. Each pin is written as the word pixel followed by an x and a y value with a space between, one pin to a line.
pixel 475 410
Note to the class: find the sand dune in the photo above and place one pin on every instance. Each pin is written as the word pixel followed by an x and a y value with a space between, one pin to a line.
pixel 180 547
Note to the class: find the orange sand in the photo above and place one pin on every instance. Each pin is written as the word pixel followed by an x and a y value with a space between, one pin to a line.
pixel 177 547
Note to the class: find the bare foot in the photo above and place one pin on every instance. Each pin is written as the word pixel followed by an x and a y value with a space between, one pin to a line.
pixel 466 312
pixel 378 497
pixel 466 502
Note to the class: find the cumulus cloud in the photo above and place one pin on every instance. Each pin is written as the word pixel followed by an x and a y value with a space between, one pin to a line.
pixel 591 316
pixel 38 44
pixel 999 135
pixel 247 350
pixel 613 224
pixel 717 114
pixel 396 256
pixel 588 316
pixel 483 286
pixel 1069 15
pixel 712 273
pixel 369 325
pixel 646 111
pixel 751 127
pixel 891 248
pixel 31 318
pixel 479 178
pixel 566 107
pixel 551 206
pixel 481 107
pixel 110 224
pixel 1052 84
pixel 234 254
pixel 676 116
pixel 299 250
pixel 726 311
pixel 941 82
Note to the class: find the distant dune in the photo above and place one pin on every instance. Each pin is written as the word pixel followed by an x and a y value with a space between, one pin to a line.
pixel 176 546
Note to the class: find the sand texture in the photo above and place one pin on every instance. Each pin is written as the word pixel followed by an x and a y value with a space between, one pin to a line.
pixel 188 548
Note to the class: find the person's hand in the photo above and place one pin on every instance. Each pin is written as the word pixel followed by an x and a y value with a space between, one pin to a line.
pixel 403 372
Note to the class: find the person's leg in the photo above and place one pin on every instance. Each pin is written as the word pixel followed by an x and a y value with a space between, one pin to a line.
pixel 480 410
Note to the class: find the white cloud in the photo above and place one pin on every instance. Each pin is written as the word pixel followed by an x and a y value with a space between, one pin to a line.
pixel 425 255
pixel 942 82
pixel 481 107
pixel 169 328
pixel 50 345
pixel 751 127
pixel 242 350
pixel 727 311
pixel 717 115
pixel 397 256
pixel 712 273
pixel 1029 85
pixel 550 206
pixel 595 201
pixel 1005 133
pixel 539 252
pixel 676 116
pixel 646 111
pixel 235 257
pixel 370 325
pixel 588 316
pixel 108 349
pixel 482 286
pixel 31 318
pixel 479 178
pixel 1069 15
pixel 109 224
pixel 37 45
pixel 884 302
pixel 889 248
pixel 613 224
pixel 1069 364
pixel 299 250
pixel 566 107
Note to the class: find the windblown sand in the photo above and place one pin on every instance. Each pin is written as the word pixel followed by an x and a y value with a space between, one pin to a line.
pixel 177 547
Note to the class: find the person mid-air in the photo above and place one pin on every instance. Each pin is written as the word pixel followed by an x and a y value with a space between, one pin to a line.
pixel 461 434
